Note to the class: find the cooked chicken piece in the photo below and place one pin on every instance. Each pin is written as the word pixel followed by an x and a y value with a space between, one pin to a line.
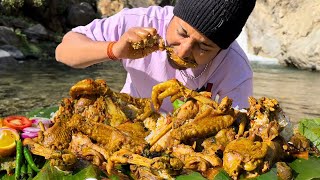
pixel 134 130
pixel 211 172
pixel 274 154
pixel 40 150
pixel 82 104
pixel 134 108
pixel 203 125
pixel 59 135
pixel 225 136
pixel 219 141
pixel 187 111
pixel 265 110
pixel 60 158
pixel 109 137
pixel 284 172
pixel 109 107
pixel 81 143
pixel 150 41
pixel 180 62
pixel 207 121
pixel 89 87
pixel 143 173
pixel 195 160
pixel 110 128
pixel 151 122
pixel 116 116
pixel 210 145
pixel 299 142
pixel 243 154
pixel 267 132
pixel 125 156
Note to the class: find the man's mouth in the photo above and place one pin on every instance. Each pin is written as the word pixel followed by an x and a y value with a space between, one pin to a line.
pixel 179 63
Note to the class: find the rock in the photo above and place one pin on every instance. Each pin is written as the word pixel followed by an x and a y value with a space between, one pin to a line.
pixel 80 14
pixel 8 36
pixel 13 51
pixel 4 54
pixel 37 32
pixel 14 22
pixel 6 58
pixel 288 30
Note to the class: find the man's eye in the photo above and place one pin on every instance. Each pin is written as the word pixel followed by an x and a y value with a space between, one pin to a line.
pixel 204 50
pixel 183 34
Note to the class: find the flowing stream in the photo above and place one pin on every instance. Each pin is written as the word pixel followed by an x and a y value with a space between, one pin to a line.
pixel 25 86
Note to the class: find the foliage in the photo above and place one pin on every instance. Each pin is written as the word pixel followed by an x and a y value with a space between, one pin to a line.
pixel 310 128
pixel 272 174
pixel 12 4
pixel 306 169
pixel 177 103
pixel 39 49
pixel 222 175
pixel 192 176
pixel 43 112
pixel 17 4
pixel 48 172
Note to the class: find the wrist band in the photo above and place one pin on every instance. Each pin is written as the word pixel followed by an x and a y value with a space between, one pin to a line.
pixel 109 51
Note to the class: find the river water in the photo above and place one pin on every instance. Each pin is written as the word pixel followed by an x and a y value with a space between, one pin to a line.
pixel 25 86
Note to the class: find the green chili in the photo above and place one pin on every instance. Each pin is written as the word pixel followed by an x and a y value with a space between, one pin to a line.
pixel 23 173
pixel 19 158
pixel 29 159
pixel 29 171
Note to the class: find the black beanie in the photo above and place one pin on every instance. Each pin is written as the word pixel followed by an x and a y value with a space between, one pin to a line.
pixel 219 20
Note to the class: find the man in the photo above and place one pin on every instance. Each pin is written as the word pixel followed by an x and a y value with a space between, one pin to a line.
pixel 199 31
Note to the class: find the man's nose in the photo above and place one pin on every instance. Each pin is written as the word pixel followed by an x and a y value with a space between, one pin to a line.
pixel 184 50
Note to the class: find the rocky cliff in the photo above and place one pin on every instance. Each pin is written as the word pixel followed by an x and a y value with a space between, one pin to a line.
pixel 288 30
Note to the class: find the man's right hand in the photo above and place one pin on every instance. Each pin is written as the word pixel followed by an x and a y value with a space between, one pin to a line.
pixel 137 42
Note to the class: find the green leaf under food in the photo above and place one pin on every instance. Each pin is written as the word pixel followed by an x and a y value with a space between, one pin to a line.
pixel 43 112
pixel 51 173
pixel 191 176
pixel 114 177
pixel 272 174
pixel 222 175
pixel 306 169
pixel 310 128
pixel 177 103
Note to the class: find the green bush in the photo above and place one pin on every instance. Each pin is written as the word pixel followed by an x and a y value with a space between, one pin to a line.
pixel 13 6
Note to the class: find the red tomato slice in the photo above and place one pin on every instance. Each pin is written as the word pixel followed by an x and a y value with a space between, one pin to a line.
pixel 17 122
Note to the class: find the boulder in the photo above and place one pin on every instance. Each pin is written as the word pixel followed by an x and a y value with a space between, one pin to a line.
pixel 8 36
pixel 13 51
pixel 80 14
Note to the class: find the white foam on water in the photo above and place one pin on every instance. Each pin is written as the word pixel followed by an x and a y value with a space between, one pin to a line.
pixel 243 42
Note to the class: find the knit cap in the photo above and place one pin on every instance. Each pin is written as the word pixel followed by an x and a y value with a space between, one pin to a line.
pixel 219 20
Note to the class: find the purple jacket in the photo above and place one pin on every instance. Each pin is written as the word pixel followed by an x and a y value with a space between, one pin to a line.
pixel 229 73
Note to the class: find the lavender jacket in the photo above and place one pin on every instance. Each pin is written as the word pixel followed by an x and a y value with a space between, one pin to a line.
pixel 229 74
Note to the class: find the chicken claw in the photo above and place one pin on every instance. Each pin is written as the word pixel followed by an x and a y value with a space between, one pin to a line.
pixel 172 88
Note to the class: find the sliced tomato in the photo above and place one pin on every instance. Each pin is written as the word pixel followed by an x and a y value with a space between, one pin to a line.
pixel 17 122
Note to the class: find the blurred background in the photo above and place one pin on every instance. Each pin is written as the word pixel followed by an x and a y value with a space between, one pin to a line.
pixel 281 39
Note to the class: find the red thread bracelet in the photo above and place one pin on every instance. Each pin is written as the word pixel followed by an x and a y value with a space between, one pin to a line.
pixel 109 51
